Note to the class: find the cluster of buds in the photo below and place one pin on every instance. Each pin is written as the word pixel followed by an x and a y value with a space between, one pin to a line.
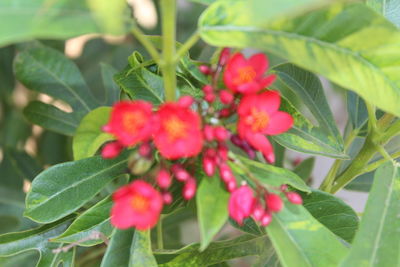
pixel 177 132
pixel 243 204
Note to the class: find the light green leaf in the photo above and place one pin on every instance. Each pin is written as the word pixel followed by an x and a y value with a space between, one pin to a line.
pixel 323 138
pixel 332 212
pixel 377 241
pixel 389 8
pixel 269 174
pixel 109 14
pixel 94 220
pixel 64 188
pixel 51 118
pixel 300 240
pixel 49 19
pixel 330 42
pixel 141 253
pixel 89 137
pixel 212 208
pixel 118 251
pixel 37 239
pixel 216 252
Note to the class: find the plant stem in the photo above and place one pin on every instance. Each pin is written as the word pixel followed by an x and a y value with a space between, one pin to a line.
pixel 371 167
pixel 371 118
pixel 160 241
pixel 391 131
pixel 147 44
pixel 187 45
pixel 168 64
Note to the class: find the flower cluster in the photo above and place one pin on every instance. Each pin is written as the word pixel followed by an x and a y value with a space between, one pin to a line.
pixel 184 131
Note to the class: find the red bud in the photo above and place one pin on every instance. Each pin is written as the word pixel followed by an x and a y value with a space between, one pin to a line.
pixel 163 179
pixel 207 89
pixel 221 134
pixel 208 166
pixel 274 202
pixel 209 97
pixel 226 173
pixel 258 212
pixel 224 56
pixel 167 198
pixel 189 189
pixel 145 150
pixel 294 198
pixel 111 150
pixel 186 101
pixel 206 70
pixel 231 185
pixel 266 219
pixel 226 97
pixel 208 132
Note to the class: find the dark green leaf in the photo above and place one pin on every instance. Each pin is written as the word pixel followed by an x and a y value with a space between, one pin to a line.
pixel 212 208
pixel 111 89
pixel 89 137
pixel 64 188
pixel 305 168
pixel 332 212
pixel 141 253
pixel 27 166
pixel 51 118
pixel 362 183
pixel 215 253
pixel 6 72
pixel 54 20
pixel 357 110
pixel 330 42
pixel 249 226
pixel 118 251
pixel 268 174
pixel 377 241
pixel 300 240
pixel 94 220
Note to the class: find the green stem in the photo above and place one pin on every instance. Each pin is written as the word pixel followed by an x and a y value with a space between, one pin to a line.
pixel 371 118
pixel 147 44
pixel 187 45
pixel 391 131
pixel 160 241
pixel 373 166
pixel 168 64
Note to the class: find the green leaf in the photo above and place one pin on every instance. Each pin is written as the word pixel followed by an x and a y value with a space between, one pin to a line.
pixel 377 241
pixel 111 89
pixel 64 188
pixel 139 82
pixel 305 168
pixel 389 8
pixel 27 166
pixel 332 212
pixel 52 20
pixel 89 137
pixel 269 174
pixel 330 42
pixel 94 220
pixel 300 240
pixel 37 239
pixel 51 118
pixel 204 2
pixel 212 208
pixel 141 253
pixel 118 251
pixel 323 138
pixel 216 252
pixel 6 72
pixel 357 110
pixel 249 226
pixel 48 71
pixel 362 183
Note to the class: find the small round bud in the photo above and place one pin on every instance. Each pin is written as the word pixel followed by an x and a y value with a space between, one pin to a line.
pixel 209 166
pixel 283 187
pixel 111 150
pixel 207 89
pixel 236 140
pixel 189 189
pixel 231 185
pixel 182 175
pixel 210 152
pixel 209 97
pixel 206 70
pixel 294 198
pixel 226 97
pixel 220 133
pixel 167 198
pixel 266 219
pixel 163 179
pixel 273 202
pixel 225 112
pixel 222 152
pixel 145 150
pixel 224 56
pixel 208 132
pixel 226 173
pixel 186 101
pixel 258 212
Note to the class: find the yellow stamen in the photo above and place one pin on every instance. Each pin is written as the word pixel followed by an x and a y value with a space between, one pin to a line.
pixel 133 121
pixel 140 203
pixel 258 120
pixel 175 128
pixel 246 74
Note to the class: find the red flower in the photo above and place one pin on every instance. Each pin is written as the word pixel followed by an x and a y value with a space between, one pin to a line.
pixel 247 75
pixel 136 205
pixel 131 122
pixel 259 116
pixel 178 132
pixel 241 203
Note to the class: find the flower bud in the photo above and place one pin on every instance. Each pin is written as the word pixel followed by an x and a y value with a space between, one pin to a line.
pixel 220 133
pixel 106 128
pixel 145 150
pixel 206 70
pixel 225 112
pixel 208 166
pixel 111 150
pixel 266 219
pixel 294 198
pixel 226 173
pixel 141 166
pixel 284 187
pixel 236 140
pixel 222 152
pixel 189 189
pixel 226 97
pixel 224 56
pixel 207 89
pixel 163 179
pixel 210 152
pixel 180 173
pixel 209 97
pixel 273 202
pixel 258 212
pixel 208 132
pixel 186 101
pixel 231 185
pixel 167 198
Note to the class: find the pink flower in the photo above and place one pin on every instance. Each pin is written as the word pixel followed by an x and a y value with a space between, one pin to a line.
pixel 178 132
pixel 246 76
pixel 130 122
pixel 136 205
pixel 259 116
pixel 241 203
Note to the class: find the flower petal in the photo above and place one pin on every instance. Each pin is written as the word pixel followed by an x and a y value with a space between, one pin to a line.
pixel 279 123
pixel 259 62
pixel 249 88
pixel 261 142
pixel 269 101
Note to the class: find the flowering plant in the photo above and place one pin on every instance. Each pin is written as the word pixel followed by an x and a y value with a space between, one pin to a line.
pixel 217 143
